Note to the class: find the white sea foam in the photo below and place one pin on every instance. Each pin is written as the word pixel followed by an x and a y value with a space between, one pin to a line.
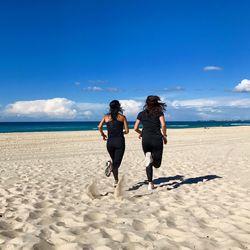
pixel 181 126
pixel 240 124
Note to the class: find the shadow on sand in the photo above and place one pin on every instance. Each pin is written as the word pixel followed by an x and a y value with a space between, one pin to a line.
pixel 175 181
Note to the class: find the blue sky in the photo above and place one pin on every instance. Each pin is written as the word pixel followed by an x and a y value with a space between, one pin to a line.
pixel 68 59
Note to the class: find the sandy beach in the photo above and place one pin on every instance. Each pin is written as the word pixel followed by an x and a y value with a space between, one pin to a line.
pixel 54 194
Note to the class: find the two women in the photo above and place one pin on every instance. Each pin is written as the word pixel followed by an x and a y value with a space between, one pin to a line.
pixel 153 135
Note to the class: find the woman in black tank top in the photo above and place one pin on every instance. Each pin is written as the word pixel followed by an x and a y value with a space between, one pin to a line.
pixel 153 134
pixel 115 122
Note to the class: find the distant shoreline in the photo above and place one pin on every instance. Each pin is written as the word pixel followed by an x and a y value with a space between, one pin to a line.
pixel 19 127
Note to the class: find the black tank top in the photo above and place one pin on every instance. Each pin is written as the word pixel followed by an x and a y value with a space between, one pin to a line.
pixel 115 129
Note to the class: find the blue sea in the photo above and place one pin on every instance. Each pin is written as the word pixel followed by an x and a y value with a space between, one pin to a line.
pixel 9 127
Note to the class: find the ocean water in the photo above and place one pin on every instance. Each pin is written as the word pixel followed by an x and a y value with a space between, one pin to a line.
pixel 9 127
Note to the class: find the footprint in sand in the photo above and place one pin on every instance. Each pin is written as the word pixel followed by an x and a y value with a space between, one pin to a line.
pixel 43 245
pixel 94 216
pixel 4 225
pixel 9 234
pixel 138 225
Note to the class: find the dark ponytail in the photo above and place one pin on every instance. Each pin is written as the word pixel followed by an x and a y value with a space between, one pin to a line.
pixel 115 109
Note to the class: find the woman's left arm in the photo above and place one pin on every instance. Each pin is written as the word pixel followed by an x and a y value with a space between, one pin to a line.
pixel 104 137
pixel 125 122
pixel 163 128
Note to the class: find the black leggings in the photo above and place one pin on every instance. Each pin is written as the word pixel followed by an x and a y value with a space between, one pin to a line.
pixel 116 148
pixel 154 145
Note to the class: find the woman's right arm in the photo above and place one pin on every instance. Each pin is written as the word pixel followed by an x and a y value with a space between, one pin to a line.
pixel 163 128
pixel 136 127
pixel 101 130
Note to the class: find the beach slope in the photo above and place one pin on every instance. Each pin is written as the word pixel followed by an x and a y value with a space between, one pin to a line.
pixel 54 194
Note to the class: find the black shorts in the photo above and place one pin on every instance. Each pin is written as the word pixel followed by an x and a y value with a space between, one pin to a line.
pixel 153 144
pixel 116 148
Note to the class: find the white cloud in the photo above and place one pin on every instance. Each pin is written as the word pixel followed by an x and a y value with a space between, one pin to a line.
pixel 205 116
pixel 94 89
pixel 91 111
pixel 97 110
pixel 62 108
pixel 174 89
pixel 50 108
pixel 193 103
pixel 83 106
pixel 131 107
pixel 215 102
pixel 212 68
pixel 189 109
pixel 87 113
pixel 111 89
pixel 239 103
pixel 98 81
pixel 217 108
pixel 99 89
pixel 209 109
pixel 243 86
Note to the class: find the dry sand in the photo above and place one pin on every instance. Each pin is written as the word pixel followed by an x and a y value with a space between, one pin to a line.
pixel 54 195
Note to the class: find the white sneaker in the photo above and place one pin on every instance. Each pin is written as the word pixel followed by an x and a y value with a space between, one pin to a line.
pixel 148 159
pixel 151 186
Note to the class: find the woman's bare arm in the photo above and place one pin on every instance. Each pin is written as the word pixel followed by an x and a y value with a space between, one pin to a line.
pixel 100 126
pixel 163 128
pixel 125 122
pixel 136 127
